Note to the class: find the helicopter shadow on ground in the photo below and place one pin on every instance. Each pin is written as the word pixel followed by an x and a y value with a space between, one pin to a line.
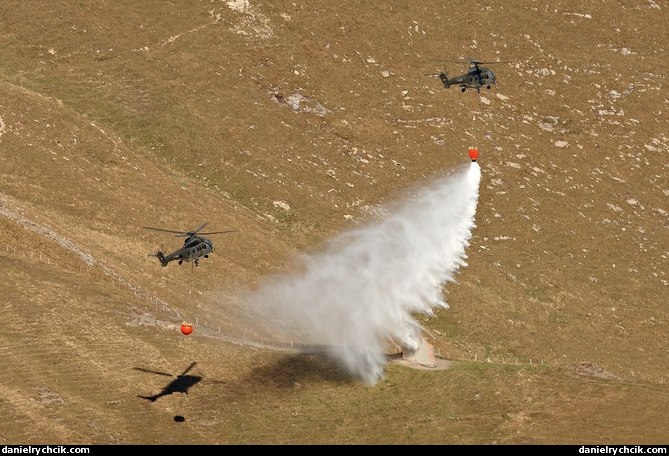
pixel 287 371
pixel 179 384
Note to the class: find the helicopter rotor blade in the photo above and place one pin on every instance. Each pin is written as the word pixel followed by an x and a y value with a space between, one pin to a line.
pixel 220 232
pixel 448 61
pixel 149 371
pixel 489 62
pixel 189 233
pixel 470 60
pixel 198 228
pixel 161 229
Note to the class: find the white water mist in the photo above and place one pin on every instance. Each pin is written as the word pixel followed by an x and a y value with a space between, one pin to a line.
pixel 364 289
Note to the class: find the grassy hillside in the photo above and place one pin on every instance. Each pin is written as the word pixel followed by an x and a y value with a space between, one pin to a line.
pixel 293 122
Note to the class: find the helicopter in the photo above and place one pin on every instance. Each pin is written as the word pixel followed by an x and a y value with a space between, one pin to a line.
pixel 195 247
pixel 477 76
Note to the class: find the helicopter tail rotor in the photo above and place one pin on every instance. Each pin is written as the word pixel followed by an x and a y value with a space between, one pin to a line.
pixel 161 257
pixel 444 79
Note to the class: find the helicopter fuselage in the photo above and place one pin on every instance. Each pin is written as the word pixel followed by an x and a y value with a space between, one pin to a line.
pixel 475 78
pixel 194 248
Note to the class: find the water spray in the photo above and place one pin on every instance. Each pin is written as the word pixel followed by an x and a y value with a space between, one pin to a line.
pixel 365 288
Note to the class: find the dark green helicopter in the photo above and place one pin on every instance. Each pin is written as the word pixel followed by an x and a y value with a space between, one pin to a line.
pixel 195 246
pixel 478 76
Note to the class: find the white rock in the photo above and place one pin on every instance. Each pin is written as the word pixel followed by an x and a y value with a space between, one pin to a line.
pixel 282 204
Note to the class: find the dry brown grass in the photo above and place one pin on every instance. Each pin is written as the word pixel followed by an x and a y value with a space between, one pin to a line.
pixel 125 114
